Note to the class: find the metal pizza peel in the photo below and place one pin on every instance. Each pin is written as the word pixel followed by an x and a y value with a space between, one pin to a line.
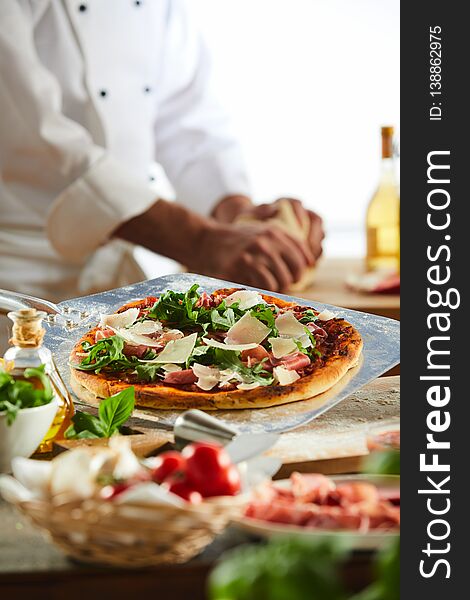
pixel 67 321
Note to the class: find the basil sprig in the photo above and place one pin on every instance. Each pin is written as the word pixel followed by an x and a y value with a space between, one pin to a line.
pixel 16 394
pixel 113 412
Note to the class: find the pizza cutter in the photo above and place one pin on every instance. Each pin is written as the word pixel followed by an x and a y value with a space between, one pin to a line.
pixel 68 321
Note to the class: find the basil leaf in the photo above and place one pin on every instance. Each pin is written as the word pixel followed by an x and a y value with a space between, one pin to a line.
pixel 40 373
pixel 10 409
pixel 82 422
pixel 115 410
pixel 16 394
pixel 5 380
pixel 87 435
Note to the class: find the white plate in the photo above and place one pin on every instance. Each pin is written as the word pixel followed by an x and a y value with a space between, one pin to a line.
pixel 351 540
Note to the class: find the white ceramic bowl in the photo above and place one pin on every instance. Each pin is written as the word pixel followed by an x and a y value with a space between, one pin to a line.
pixel 24 435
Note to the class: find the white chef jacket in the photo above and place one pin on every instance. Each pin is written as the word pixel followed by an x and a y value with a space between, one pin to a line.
pixel 91 93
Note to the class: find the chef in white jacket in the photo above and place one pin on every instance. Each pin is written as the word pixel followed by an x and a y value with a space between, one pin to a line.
pixel 92 92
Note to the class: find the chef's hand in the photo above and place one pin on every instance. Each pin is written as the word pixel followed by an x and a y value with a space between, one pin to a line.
pixel 255 254
pixel 231 207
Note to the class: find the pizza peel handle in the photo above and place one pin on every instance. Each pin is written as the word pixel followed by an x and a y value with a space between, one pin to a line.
pixel 16 301
pixel 60 317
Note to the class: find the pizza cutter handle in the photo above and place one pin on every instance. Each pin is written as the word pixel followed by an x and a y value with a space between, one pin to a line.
pixel 197 426
pixel 16 301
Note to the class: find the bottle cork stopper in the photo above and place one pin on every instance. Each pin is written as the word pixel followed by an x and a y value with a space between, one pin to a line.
pixel 387 141
pixel 28 331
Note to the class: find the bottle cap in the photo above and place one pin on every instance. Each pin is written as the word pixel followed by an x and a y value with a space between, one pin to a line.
pixel 28 331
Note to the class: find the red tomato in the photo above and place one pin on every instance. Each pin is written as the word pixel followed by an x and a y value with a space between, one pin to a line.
pixel 184 490
pixel 167 464
pixel 227 484
pixel 210 470
pixel 205 461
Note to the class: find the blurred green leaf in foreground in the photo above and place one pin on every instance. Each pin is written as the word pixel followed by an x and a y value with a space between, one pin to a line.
pixel 298 569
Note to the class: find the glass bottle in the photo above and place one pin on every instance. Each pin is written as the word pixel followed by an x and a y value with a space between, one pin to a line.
pixel 383 215
pixel 27 351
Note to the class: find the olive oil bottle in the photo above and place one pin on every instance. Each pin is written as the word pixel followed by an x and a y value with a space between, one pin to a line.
pixel 26 350
pixel 383 214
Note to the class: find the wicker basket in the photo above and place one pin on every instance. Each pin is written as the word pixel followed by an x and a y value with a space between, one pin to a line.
pixel 133 535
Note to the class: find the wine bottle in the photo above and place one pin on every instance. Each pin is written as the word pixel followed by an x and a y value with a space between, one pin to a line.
pixel 383 214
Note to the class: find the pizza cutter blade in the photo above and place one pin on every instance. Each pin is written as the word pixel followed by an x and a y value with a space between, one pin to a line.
pixel 69 320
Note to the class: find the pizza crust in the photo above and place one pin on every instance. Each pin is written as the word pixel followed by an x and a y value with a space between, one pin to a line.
pixel 89 385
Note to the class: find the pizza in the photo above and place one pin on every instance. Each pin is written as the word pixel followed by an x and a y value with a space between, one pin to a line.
pixel 232 349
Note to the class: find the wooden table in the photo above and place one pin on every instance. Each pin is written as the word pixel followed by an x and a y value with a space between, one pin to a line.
pixel 31 567
pixel 329 287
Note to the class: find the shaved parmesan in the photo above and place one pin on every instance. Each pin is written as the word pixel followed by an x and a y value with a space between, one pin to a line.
pixel 282 346
pixel 177 351
pixel 227 375
pixel 285 376
pixel 146 327
pixel 248 330
pixel 289 326
pixel 246 298
pixel 326 315
pixel 207 377
pixel 117 320
pixel 305 340
pixel 235 347
pixel 136 339
pixel 248 386
pixel 170 368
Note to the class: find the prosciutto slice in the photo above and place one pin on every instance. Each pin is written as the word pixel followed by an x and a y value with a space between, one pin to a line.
pixel 315 501
pixel 183 377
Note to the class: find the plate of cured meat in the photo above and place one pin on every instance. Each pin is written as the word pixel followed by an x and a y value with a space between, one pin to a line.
pixel 362 512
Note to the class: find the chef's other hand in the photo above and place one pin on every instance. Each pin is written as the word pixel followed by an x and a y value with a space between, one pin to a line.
pixel 256 254
pixel 228 209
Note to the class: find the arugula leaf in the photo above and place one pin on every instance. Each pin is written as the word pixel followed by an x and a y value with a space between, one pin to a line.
pixel 102 354
pixel 229 359
pixel 113 412
pixel 176 307
pixel 308 316
pixel 264 312
pixel 148 372
pixel 222 320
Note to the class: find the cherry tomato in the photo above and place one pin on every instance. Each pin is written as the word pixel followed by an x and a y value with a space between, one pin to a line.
pixel 210 470
pixel 167 464
pixel 227 483
pixel 205 461
pixel 183 489
pixel 231 482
